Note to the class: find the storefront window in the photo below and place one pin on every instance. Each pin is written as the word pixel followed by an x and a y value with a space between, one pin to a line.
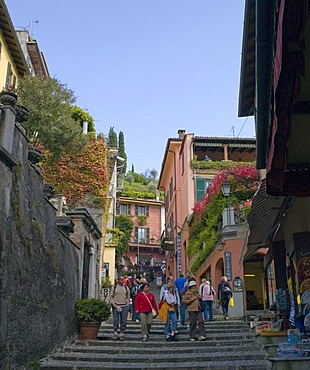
pixel 271 284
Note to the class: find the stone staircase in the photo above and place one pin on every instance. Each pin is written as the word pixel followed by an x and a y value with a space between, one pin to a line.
pixel 230 345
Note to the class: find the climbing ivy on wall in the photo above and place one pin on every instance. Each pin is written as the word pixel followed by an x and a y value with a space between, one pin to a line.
pixel 204 231
pixel 80 175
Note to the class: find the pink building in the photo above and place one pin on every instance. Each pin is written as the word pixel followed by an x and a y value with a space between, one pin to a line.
pixel 190 162
pixel 144 248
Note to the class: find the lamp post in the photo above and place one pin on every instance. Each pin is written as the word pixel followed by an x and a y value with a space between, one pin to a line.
pixel 226 187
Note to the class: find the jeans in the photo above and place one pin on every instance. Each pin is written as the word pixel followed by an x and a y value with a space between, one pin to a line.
pixel 207 308
pixel 194 317
pixel 173 317
pixel 120 318
pixel 182 313
pixel 225 300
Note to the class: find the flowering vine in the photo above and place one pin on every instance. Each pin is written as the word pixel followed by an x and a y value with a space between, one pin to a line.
pixel 244 180
pixel 81 175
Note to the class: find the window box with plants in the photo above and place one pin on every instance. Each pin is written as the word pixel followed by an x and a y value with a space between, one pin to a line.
pixel 90 312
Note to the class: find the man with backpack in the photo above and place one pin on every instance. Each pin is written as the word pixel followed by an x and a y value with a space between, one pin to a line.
pixel 224 295
pixel 135 289
pixel 120 302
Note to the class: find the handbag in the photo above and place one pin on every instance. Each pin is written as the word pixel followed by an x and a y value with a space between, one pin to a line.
pixel 232 302
pixel 154 312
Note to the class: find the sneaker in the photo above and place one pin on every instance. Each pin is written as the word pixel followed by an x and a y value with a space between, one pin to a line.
pixel 226 317
pixel 192 339
pixel 121 338
pixel 115 337
pixel 168 339
pixel 188 327
pixel 144 339
pixel 173 338
pixel 202 338
pixel 137 320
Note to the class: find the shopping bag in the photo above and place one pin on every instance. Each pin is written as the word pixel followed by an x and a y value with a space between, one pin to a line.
pixel 231 302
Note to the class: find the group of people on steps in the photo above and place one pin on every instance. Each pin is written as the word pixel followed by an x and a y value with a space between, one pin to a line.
pixel 179 300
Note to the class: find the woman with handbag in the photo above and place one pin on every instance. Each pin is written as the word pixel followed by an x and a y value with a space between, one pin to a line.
pixel 146 306
pixel 171 299
pixel 192 300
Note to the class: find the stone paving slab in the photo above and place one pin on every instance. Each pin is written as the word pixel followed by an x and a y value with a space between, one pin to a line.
pixel 189 365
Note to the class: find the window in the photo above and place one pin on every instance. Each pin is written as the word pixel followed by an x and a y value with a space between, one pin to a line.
pixel 8 76
pixel 142 235
pixel 142 210
pixel 124 209
pixel 201 186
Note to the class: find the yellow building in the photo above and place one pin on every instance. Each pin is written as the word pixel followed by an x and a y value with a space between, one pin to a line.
pixel 12 61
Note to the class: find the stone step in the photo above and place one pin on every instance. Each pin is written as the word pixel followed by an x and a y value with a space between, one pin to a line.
pixel 185 344
pixel 173 347
pixel 160 330
pixel 181 336
pixel 153 357
pixel 230 364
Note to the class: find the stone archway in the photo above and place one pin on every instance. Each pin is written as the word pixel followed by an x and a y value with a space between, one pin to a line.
pixel 219 270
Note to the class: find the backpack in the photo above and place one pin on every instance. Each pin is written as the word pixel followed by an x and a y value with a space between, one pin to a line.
pixel 134 290
pixel 127 291
pixel 225 290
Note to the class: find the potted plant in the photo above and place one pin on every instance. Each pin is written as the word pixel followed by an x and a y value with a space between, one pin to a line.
pixel 90 312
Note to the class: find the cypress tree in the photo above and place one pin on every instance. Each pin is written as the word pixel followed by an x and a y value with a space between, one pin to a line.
pixel 112 138
pixel 121 149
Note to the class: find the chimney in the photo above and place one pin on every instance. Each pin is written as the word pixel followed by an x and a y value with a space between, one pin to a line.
pixel 181 134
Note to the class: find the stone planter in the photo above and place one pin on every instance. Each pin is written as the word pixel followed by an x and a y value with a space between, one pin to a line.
pixel 35 156
pixel 8 98
pixel 22 114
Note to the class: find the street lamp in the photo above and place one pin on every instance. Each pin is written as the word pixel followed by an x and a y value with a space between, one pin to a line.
pixel 226 187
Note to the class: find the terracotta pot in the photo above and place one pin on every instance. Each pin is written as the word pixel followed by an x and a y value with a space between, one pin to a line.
pixel 89 330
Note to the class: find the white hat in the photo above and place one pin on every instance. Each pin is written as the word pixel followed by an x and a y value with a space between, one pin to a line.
pixel 192 283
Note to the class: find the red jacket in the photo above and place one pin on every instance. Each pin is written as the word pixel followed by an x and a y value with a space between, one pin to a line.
pixel 142 304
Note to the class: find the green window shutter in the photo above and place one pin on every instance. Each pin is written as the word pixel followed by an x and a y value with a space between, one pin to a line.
pixel 137 210
pixel 200 188
pixel 136 233
pixel 8 76
pixel 147 211
pixel 129 209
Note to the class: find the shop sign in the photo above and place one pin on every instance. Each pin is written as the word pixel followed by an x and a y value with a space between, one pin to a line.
pixel 179 264
pixel 228 267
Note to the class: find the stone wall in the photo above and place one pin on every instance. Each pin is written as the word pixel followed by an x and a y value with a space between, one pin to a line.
pixel 39 265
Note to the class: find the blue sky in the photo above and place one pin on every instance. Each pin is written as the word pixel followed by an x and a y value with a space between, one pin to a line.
pixel 145 67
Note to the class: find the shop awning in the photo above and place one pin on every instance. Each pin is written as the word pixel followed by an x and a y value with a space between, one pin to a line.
pixel 266 216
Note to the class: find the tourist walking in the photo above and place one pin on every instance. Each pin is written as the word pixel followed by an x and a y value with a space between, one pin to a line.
pixel 179 284
pixel 120 302
pixel 134 290
pixel 144 303
pixel 224 294
pixel 192 300
pixel 172 300
pixel 207 293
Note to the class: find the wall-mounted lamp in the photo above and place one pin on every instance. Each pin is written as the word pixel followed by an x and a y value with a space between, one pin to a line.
pixel 226 187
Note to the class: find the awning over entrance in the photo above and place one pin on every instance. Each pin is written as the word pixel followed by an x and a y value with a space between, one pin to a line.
pixel 266 216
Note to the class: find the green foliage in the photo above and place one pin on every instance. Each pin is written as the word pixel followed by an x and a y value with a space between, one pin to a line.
pixel 50 124
pixel 205 230
pixel 138 177
pixel 142 220
pixel 112 138
pixel 121 150
pixel 92 309
pixel 138 194
pixel 126 225
pixel 206 165
pixel 79 115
